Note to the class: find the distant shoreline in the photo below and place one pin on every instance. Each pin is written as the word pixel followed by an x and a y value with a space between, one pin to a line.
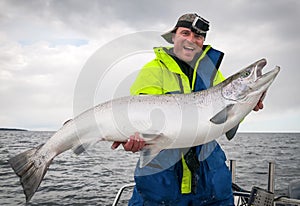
pixel 12 129
pixel 242 132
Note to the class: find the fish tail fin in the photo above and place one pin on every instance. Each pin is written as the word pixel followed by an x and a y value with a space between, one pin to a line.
pixel 29 172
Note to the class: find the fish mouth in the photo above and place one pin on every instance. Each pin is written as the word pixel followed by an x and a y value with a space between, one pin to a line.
pixel 263 81
pixel 270 75
pixel 259 65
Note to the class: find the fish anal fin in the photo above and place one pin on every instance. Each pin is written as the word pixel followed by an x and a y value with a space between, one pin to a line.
pixel 151 150
pixel 222 116
pixel 85 142
pixel 148 154
pixel 78 149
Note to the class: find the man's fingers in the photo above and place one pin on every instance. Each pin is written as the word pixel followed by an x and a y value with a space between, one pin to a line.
pixel 140 141
pixel 259 106
pixel 135 143
pixel 129 144
pixel 115 145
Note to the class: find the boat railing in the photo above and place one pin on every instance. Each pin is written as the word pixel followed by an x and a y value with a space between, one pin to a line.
pixel 243 197
pixel 240 197
pixel 121 190
pixel 286 200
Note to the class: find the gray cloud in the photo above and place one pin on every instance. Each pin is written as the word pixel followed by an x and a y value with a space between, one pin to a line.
pixel 44 45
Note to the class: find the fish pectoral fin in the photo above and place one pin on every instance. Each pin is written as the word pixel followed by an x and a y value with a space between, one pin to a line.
pixel 222 116
pixel 231 133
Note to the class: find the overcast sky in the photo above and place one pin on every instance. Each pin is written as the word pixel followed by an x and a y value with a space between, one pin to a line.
pixel 46 46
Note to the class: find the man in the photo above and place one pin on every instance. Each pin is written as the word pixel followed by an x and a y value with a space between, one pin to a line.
pixel 198 175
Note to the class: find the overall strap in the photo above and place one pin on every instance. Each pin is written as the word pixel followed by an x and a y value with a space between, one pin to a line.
pixel 206 68
pixel 205 71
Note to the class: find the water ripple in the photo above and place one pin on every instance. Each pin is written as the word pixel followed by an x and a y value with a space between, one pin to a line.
pixel 93 178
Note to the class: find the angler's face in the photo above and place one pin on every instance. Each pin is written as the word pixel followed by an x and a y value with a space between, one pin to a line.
pixel 187 44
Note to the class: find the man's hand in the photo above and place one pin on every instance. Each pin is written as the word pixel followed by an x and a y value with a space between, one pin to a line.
pixel 260 104
pixel 134 144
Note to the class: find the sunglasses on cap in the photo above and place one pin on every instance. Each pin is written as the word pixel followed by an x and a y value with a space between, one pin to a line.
pixel 200 25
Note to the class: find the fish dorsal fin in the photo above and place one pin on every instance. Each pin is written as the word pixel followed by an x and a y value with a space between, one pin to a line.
pixel 222 116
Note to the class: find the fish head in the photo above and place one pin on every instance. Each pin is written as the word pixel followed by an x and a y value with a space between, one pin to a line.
pixel 249 82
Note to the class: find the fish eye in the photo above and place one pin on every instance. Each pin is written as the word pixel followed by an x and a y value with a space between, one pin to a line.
pixel 246 73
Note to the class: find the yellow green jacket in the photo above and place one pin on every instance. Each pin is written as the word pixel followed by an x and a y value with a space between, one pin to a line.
pixel 162 75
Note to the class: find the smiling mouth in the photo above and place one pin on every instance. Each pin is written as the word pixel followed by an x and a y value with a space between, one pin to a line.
pixel 188 48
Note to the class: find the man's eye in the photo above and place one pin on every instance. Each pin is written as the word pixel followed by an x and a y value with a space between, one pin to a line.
pixel 198 36
pixel 185 33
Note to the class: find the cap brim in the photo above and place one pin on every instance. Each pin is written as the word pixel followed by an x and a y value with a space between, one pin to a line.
pixel 168 35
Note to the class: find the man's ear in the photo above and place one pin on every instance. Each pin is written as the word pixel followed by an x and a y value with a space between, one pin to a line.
pixel 173 36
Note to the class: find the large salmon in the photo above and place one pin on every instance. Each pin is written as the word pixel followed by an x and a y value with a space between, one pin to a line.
pixel 164 121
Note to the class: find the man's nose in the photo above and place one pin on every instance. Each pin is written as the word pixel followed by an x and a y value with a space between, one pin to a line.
pixel 191 38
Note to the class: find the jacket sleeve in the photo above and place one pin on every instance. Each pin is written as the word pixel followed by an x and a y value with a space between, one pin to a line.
pixel 149 80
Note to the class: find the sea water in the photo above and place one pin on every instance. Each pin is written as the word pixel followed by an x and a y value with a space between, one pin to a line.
pixel 93 178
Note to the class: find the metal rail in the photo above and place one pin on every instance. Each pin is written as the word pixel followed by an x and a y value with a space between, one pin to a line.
pixel 271 177
pixel 118 196
pixel 286 200
pixel 237 194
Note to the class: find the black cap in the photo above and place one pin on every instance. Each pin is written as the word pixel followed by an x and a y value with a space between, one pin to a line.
pixel 194 22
